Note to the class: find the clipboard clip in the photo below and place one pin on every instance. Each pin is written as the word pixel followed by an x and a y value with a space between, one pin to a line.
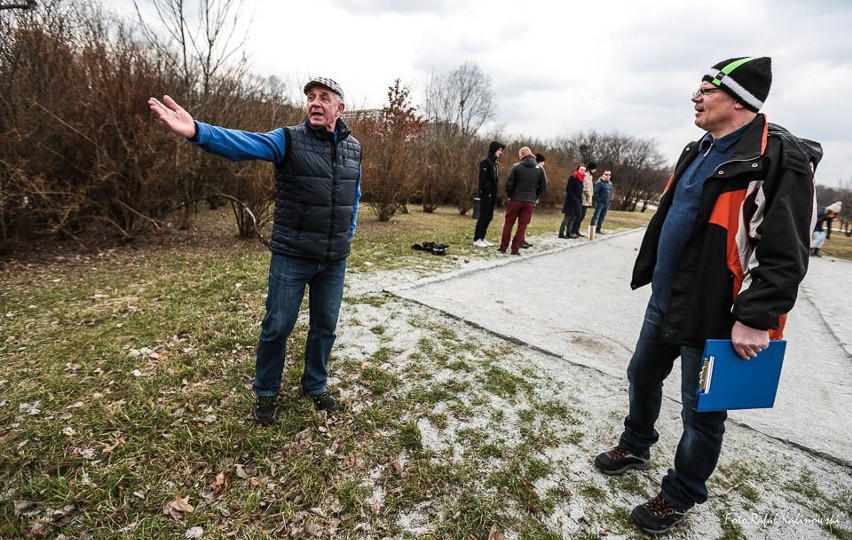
pixel 704 375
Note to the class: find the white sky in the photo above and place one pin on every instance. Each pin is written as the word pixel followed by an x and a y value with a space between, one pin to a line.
pixel 559 67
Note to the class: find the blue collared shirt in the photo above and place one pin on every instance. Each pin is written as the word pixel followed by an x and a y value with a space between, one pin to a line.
pixel 680 220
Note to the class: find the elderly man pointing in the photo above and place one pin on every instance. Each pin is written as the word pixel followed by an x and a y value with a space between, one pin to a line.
pixel 317 188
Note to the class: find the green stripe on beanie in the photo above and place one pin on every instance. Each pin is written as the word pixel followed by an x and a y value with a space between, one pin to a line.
pixel 747 79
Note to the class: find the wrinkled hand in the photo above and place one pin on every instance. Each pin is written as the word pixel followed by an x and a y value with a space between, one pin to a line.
pixel 748 341
pixel 173 116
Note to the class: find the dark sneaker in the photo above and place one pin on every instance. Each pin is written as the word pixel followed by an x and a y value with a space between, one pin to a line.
pixel 324 402
pixel 620 459
pixel 658 515
pixel 264 409
pixel 526 245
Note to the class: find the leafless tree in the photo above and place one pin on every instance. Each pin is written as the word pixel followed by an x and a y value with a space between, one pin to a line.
pixel 200 52
pixel 200 41
pixel 462 100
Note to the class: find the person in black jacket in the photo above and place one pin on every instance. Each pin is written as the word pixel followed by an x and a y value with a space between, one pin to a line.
pixel 525 184
pixel 572 205
pixel 317 189
pixel 489 174
pixel 724 254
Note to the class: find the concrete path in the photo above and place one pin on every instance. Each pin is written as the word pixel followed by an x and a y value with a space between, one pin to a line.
pixel 572 299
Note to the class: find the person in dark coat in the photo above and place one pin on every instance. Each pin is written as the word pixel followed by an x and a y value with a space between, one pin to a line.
pixel 489 174
pixel 724 254
pixel 572 206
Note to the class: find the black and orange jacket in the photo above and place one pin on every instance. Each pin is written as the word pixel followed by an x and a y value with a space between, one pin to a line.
pixel 748 249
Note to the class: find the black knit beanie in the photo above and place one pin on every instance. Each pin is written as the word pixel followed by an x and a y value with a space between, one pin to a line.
pixel 746 79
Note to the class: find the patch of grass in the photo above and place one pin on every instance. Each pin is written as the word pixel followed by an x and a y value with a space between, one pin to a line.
pixel 502 383
pixel 619 520
pixel 839 245
pixel 469 516
pixel 836 531
pixel 410 438
pixel 740 476
pixel 591 491
pixel 628 483
pixel 379 380
pixel 575 437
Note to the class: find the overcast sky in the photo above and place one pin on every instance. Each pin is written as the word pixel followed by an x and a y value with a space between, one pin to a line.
pixel 560 67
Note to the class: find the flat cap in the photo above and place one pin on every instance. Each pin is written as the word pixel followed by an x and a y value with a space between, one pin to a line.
pixel 331 84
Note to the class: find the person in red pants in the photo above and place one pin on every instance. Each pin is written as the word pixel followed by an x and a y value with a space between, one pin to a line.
pixel 525 184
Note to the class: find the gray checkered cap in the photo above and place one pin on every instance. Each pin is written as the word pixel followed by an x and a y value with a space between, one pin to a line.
pixel 331 84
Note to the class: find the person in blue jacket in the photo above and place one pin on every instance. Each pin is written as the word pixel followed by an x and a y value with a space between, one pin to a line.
pixel 603 198
pixel 317 189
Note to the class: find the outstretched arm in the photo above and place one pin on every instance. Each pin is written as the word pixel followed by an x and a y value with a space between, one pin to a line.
pixel 173 116
pixel 233 144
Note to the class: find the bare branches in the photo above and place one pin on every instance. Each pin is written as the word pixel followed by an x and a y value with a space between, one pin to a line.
pixel 461 101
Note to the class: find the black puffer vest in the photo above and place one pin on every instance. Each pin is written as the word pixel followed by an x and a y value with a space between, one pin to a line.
pixel 315 187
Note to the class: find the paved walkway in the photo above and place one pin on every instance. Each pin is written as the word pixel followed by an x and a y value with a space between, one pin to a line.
pixel 574 301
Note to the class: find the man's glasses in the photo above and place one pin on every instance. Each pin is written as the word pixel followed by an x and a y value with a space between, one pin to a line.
pixel 702 92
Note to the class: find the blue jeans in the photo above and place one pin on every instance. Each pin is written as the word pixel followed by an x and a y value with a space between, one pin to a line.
pixel 701 440
pixel 288 277
pixel 599 216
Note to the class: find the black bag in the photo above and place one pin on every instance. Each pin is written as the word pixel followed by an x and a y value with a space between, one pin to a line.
pixel 435 248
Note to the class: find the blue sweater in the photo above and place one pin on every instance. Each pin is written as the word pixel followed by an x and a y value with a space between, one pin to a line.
pixel 239 145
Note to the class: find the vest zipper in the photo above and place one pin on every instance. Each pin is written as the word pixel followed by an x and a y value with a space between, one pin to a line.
pixel 333 193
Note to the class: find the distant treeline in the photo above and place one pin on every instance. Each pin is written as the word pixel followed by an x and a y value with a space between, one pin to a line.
pixel 80 153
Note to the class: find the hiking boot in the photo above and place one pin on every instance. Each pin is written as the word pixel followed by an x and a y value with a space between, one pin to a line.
pixel 324 402
pixel 658 515
pixel 264 410
pixel 620 459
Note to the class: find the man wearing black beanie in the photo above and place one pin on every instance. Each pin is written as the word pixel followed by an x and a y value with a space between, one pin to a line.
pixel 724 254
pixel 489 176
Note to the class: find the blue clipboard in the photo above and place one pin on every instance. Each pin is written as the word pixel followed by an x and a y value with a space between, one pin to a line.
pixel 728 382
